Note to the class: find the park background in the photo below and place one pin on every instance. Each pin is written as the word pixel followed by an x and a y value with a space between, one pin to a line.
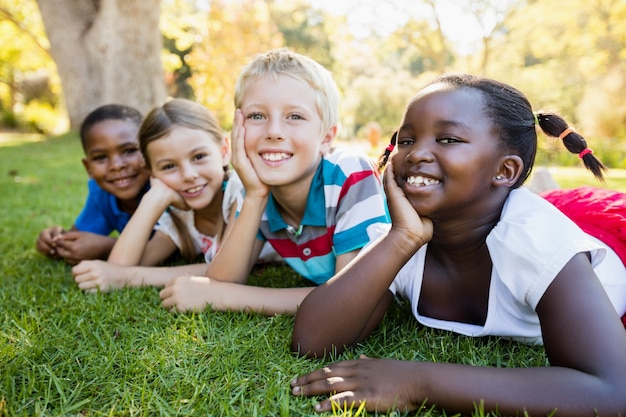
pixel 65 353
pixel 59 59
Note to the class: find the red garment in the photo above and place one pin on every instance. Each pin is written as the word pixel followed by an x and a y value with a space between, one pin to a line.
pixel 597 211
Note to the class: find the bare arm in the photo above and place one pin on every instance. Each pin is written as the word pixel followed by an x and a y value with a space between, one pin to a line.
pixel 105 276
pixel 193 293
pixel 134 247
pixel 240 248
pixel 345 309
pixel 189 293
pixel 584 339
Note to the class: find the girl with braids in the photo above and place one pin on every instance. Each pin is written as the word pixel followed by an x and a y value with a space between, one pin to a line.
pixel 477 254
pixel 188 205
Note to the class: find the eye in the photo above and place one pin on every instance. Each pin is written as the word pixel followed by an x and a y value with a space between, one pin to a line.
pixel 405 141
pixel 255 116
pixel 166 167
pixel 98 158
pixel 294 116
pixel 131 151
pixel 447 140
pixel 199 156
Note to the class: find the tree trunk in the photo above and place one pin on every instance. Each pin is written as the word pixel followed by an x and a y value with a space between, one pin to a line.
pixel 106 51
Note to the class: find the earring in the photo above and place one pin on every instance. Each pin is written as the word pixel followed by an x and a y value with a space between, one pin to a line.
pixel 498 177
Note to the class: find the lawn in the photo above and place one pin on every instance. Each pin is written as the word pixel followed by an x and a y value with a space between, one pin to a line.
pixel 64 353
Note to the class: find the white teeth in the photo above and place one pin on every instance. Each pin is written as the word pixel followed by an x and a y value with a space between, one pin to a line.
pixel 273 157
pixel 122 182
pixel 421 181
pixel 194 189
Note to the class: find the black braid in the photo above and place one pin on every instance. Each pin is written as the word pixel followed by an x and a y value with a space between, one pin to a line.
pixel 384 158
pixel 554 125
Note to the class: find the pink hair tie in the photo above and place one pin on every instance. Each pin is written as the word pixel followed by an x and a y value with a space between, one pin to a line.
pixel 390 147
pixel 584 152
pixel 566 132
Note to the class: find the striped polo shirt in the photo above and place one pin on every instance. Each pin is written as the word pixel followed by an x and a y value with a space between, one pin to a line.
pixel 346 209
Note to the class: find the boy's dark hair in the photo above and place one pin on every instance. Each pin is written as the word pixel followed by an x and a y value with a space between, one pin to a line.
pixel 108 112
pixel 514 122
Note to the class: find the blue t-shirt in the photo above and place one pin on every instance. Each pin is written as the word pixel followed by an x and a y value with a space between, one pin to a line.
pixel 101 213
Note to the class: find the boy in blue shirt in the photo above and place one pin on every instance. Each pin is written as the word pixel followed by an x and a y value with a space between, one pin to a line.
pixel 118 180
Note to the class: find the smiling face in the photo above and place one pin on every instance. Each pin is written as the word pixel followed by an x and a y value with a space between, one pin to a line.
pixel 191 162
pixel 113 160
pixel 448 153
pixel 284 137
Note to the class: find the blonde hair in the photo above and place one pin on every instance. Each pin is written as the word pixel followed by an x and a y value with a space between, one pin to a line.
pixel 282 61
pixel 158 124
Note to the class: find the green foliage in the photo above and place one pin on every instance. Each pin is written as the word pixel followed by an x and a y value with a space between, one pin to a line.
pixel 27 73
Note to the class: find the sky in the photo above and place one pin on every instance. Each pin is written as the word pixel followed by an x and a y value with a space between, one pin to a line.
pixel 460 28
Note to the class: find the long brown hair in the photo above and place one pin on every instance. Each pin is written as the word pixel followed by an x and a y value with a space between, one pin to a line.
pixel 159 123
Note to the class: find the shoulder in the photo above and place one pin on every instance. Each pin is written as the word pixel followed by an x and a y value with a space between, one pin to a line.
pixel 348 161
pixel 533 241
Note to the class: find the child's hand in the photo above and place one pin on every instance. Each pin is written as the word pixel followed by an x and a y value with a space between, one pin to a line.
pixel 384 384
pixel 168 196
pixel 46 241
pixel 241 162
pixel 74 246
pixel 190 293
pixel 403 216
pixel 91 276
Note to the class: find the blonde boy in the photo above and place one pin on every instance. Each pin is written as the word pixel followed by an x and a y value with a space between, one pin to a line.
pixel 316 208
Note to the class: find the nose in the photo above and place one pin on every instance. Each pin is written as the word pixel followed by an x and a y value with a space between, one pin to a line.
pixel 419 153
pixel 275 129
pixel 188 172
pixel 118 161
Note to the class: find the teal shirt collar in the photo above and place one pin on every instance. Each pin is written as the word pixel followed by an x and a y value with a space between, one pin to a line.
pixel 314 212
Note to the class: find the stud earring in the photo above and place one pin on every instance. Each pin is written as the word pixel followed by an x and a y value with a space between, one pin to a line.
pixel 498 177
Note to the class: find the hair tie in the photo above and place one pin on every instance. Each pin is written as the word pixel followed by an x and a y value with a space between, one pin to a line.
pixel 584 152
pixel 536 119
pixel 390 147
pixel 566 132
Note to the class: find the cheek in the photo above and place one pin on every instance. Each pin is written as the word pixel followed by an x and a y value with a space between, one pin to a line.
pixel 169 179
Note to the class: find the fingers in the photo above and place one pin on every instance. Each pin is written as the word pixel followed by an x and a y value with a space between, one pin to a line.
pixel 324 380
pixel 335 379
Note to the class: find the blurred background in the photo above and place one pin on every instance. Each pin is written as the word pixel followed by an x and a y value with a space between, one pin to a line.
pixel 59 59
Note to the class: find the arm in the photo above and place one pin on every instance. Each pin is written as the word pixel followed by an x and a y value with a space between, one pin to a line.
pixel 105 276
pixel 584 340
pixel 345 309
pixel 189 293
pixel 240 248
pixel 134 246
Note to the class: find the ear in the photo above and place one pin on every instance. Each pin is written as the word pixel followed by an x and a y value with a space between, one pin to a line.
pixel 86 165
pixel 327 140
pixel 225 149
pixel 509 171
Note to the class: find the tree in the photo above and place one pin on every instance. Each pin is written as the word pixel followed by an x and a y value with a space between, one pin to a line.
pixel 105 51
pixel 233 33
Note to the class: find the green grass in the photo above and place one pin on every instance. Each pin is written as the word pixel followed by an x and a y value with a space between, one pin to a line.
pixel 64 353
pixel 568 177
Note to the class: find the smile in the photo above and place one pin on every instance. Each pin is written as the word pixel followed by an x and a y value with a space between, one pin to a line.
pixel 275 157
pixel 421 181
pixel 122 182
pixel 194 189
